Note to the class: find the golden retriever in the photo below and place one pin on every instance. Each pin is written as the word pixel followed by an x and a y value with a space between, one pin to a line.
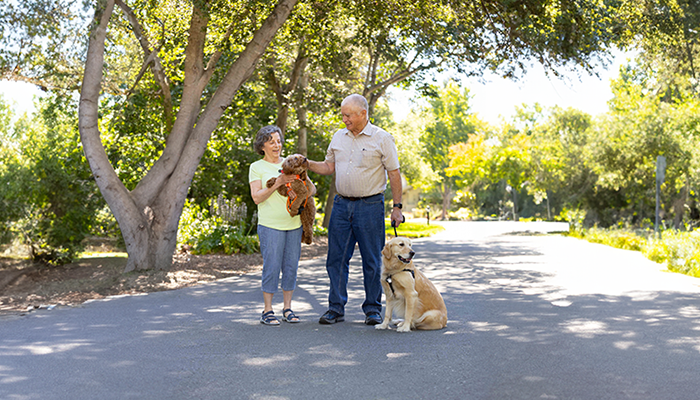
pixel 409 294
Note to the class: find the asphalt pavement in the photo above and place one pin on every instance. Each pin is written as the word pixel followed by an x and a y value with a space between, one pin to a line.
pixel 530 317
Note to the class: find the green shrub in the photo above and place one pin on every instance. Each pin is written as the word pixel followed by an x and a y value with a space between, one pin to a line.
pixel 320 230
pixel 205 232
pixel 679 251
pixel 49 197
pixel 620 239
pixel 226 239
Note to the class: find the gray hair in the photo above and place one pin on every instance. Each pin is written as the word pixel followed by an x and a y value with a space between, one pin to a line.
pixel 264 135
pixel 356 100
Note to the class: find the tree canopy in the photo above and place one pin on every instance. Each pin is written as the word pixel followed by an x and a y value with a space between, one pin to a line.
pixel 172 92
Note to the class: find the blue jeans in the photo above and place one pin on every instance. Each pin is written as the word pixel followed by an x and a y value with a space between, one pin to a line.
pixel 280 251
pixel 361 222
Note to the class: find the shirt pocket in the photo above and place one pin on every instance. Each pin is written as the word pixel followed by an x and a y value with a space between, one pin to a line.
pixel 371 157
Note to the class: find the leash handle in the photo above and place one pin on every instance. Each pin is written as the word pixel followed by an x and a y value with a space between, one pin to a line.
pixel 393 224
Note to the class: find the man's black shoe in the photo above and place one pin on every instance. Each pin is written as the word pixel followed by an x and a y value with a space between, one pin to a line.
pixel 373 318
pixel 331 317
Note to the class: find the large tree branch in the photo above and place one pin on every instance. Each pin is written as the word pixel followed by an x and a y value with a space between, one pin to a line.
pixel 104 173
pixel 209 71
pixel 187 141
pixel 299 66
pixel 374 66
pixel 150 58
pixel 238 73
pixel 284 93
pixel 123 207
pixel 274 83
pixel 152 184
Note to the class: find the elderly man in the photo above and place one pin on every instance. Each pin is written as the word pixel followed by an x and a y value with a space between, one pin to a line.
pixel 361 155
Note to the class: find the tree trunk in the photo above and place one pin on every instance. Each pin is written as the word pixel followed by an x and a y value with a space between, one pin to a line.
pixel 445 199
pixel 329 203
pixel 302 145
pixel 679 208
pixel 149 215
pixel 284 93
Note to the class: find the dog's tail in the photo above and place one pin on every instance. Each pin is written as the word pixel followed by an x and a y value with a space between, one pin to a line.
pixel 431 319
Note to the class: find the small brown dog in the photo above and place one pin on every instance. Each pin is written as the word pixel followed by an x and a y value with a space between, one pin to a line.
pixel 409 294
pixel 300 201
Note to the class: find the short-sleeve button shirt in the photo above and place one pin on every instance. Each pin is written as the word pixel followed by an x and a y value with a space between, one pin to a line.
pixel 361 161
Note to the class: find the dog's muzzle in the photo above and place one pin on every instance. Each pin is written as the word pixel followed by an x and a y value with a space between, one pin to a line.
pixel 407 260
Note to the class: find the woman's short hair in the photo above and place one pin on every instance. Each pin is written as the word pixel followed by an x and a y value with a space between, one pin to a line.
pixel 264 135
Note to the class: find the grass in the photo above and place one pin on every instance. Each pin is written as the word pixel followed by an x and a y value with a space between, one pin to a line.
pixel 678 251
pixel 413 229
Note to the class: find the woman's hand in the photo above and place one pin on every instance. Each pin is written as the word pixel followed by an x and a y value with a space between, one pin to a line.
pixel 284 179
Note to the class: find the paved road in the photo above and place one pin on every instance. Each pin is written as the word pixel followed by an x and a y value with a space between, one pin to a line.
pixel 530 317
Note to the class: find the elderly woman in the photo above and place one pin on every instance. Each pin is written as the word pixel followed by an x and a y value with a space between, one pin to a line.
pixel 279 233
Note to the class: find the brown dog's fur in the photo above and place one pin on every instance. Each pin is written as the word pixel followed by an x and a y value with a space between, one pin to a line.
pixel 296 164
pixel 416 300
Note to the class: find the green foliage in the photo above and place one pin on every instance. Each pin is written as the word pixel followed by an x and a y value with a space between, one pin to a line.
pixel 41 42
pixel 621 239
pixel 53 198
pixel 218 229
pixel 666 32
pixel 228 240
pixel 413 229
pixel 319 230
pixel 679 251
pixel 451 123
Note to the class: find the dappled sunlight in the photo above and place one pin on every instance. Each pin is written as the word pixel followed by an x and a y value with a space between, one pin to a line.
pixel 330 363
pixel 272 361
pixel 158 333
pixel 523 312
pixel 572 297
pixel 6 376
pixel 392 356
pixel 331 356
pixel 40 348
pixel 586 328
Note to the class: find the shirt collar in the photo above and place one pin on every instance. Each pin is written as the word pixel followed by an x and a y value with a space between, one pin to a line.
pixel 366 130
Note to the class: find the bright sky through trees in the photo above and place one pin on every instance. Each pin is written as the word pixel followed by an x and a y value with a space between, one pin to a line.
pixel 495 97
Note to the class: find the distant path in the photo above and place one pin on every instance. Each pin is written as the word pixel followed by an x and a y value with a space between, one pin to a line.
pixel 530 317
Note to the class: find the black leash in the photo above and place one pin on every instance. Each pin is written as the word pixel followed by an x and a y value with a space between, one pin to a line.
pixel 393 224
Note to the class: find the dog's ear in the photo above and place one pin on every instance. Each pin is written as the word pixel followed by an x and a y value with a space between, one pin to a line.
pixel 386 252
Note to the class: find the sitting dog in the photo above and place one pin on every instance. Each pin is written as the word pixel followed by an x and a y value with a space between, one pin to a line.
pixel 300 202
pixel 409 294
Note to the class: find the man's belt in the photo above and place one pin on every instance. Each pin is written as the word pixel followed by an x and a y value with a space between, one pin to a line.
pixel 358 198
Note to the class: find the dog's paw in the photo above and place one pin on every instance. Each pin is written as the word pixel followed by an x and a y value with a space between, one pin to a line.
pixel 403 328
pixel 383 325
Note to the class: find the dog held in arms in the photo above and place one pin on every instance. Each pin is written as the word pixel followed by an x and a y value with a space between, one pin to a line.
pixel 300 201
pixel 409 294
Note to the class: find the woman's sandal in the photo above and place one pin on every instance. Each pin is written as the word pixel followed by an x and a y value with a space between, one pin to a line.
pixel 269 318
pixel 289 316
